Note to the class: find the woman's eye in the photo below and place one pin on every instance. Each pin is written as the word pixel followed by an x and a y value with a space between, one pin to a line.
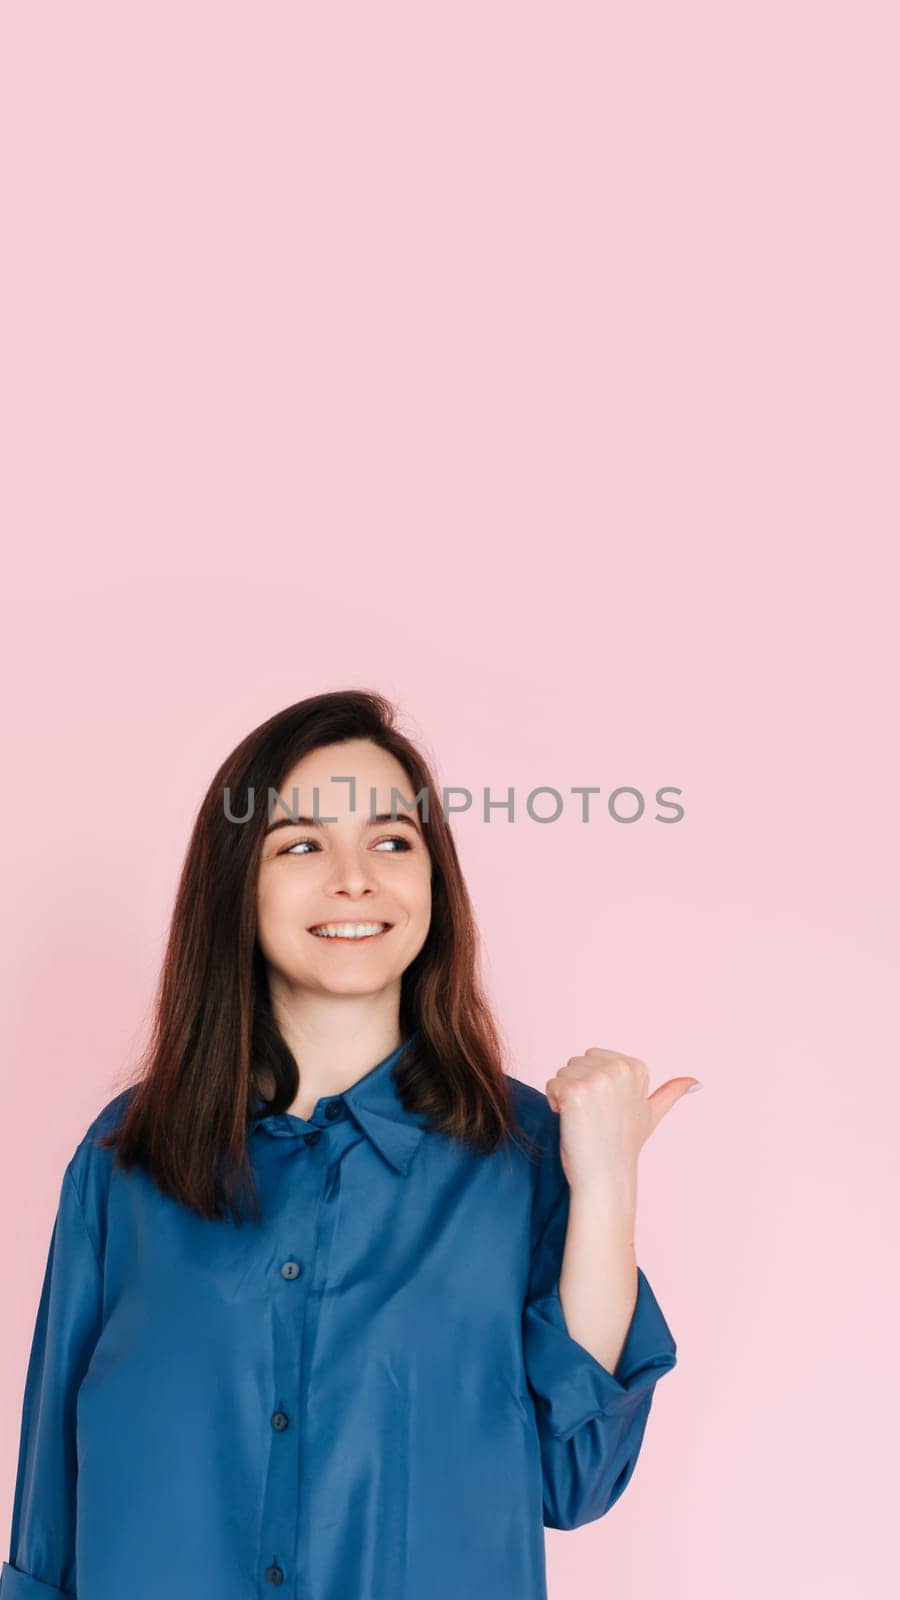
pixel 394 839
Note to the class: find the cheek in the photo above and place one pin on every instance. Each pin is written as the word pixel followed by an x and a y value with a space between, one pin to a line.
pixel 412 894
pixel 420 900
pixel 279 904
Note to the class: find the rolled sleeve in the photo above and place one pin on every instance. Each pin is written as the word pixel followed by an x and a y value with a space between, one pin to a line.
pixel 41 1563
pixel 591 1422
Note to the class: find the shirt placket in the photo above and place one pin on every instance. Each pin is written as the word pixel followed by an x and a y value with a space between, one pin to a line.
pixel 305 1226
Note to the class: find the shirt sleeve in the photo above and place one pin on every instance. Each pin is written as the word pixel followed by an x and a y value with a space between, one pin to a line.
pixel 591 1422
pixel 41 1563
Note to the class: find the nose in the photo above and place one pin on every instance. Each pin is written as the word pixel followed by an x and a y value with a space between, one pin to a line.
pixel 352 874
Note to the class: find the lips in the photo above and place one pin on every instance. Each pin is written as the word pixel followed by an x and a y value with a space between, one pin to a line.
pixel 350 922
pixel 347 939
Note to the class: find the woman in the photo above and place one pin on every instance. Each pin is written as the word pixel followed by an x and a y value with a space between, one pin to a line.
pixel 305 1317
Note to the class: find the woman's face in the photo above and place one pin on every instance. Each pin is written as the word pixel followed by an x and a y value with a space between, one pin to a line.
pixel 347 870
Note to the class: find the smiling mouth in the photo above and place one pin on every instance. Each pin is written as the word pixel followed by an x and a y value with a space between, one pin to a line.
pixel 339 932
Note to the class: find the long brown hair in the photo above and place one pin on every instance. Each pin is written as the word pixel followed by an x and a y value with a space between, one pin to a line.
pixel 187 1115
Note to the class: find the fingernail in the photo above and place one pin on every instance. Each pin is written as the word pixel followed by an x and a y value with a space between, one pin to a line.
pixel 693 1087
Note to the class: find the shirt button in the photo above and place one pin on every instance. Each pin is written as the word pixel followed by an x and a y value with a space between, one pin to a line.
pixel 274 1574
pixel 291 1269
pixel 314 1137
pixel 333 1109
pixel 279 1420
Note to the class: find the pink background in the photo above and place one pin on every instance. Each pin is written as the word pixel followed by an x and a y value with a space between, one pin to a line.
pixel 536 365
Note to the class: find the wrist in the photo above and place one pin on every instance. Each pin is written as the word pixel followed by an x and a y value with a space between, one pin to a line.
pixel 613 1197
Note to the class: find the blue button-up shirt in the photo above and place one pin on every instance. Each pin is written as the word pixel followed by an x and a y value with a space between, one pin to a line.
pixel 371 1394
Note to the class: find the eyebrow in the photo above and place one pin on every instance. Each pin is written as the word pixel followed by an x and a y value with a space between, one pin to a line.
pixel 319 822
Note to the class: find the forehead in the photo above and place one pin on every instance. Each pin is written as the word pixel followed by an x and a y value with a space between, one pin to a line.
pixel 330 769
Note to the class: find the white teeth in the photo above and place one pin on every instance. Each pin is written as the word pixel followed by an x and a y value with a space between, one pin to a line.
pixel 348 930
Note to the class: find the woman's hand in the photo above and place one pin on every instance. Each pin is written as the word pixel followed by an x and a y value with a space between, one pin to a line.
pixel 606 1116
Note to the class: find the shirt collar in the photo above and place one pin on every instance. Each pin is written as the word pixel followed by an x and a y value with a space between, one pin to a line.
pixel 376 1106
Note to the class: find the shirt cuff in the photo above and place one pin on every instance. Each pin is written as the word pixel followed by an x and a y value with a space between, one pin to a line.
pixel 16 1585
pixel 571 1385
